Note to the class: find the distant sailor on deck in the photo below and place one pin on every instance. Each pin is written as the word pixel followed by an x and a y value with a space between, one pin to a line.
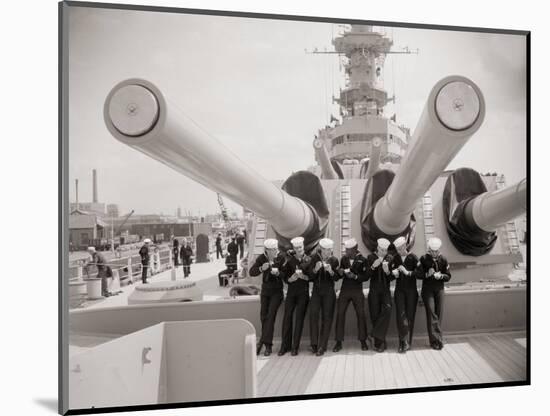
pixel 403 267
pixel 232 247
pixel 145 259
pixel 219 251
pixel 353 272
pixel 434 271
pixel 269 264
pixel 240 244
pixel 323 298
pixel 186 255
pixel 176 253
pixel 297 296
pixel 98 260
pixel 379 297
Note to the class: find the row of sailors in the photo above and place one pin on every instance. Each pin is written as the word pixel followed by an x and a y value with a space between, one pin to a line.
pixel 323 269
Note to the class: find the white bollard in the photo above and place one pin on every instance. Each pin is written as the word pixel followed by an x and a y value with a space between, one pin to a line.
pixel 79 273
pixel 115 282
pixel 93 287
pixel 173 273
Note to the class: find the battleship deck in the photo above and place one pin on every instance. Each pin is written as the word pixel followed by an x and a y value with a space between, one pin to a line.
pixel 465 359
pixel 485 340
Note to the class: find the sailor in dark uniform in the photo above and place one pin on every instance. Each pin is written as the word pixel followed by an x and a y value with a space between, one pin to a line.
pixel 434 271
pixel 403 267
pixel 270 265
pixel 98 260
pixel 379 297
pixel 186 255
pixel 232 247
pixel 145 258
pixel 297 296
pixel 353 272
pixel 219 251
pixel 176 253
pixel 323 298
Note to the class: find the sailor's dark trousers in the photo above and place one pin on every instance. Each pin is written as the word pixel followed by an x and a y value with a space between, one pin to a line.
pixel 357 298
pixel 186 262
pixel 144 271
pixel 296 301
pixel 219 252
pixel 102 274
pixel 269 304
pixel 406 301
pixel 433 303
pixel 379 300
pixel 322 303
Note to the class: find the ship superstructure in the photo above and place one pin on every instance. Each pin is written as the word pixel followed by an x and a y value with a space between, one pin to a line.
pixel 364 129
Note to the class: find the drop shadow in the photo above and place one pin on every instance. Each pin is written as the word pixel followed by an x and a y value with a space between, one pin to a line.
pixel 47 403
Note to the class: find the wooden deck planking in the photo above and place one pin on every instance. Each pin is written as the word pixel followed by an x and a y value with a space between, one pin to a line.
pixel 400 377
pixel 340 370
pixel 490 354
pixel 448 366
pixel 359 374
pixel 466 359
pixel 291 385
pixel 512 358
pixel 401 360
pixel 515 349
pixel 316 384
pixel 379 381
pixel 369 375
pixel 419 374
pixel 494 357
pixel 307 372
pixel 349 376
pixel 389 377
pixel 328 374
pixel 485 373
pixel 284 375
pixel 433 377
pixel 521 341
pixel 455 352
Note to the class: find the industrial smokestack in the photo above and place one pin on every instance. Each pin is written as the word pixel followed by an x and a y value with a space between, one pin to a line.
pixel 76 183
pixel 94 173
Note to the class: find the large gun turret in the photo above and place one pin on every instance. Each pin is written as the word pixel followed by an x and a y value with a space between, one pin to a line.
pixel 454 111
pixel 472 214
pixel 139 115
pixel 490 210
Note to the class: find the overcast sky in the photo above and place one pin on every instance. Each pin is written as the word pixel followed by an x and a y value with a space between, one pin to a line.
pixel 249 83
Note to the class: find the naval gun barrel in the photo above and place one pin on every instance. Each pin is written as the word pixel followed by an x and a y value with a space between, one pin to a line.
pixel 490 210
pixel 374 161
pixel 453 112
pixel 139 115
pixel 327 170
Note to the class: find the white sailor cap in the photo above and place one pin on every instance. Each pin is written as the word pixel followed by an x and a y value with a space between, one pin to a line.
pixel 326 243
pixel 297 242
pixel 434 243
pixel 383 243
pixel 399 242
pixel 91 248
pixel 350 243
pixel 147 240
pixel 271 243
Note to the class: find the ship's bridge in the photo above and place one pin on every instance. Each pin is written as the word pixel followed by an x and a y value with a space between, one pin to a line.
pixel 361 90
pixel 352 139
